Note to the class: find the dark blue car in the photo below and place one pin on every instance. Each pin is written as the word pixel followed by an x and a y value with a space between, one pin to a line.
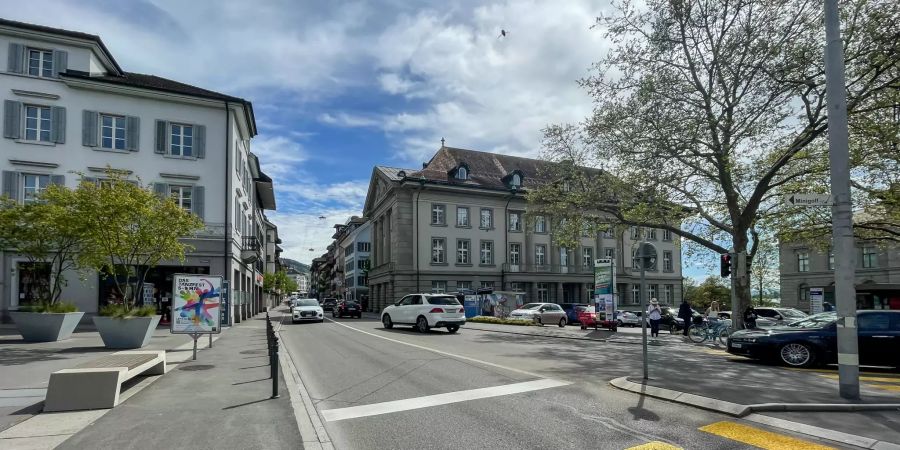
pixel 813 340
pixel 571 310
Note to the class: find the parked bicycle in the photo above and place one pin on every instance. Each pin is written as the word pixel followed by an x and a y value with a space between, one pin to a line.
pixel 711 331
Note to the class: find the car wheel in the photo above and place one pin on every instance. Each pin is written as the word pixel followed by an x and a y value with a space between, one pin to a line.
pixel 619 322
pixel 452 329
pixel 797 354
pixel 562 322
pixel 386 321
pixel 422 324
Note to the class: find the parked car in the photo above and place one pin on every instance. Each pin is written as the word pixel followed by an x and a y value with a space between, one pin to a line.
pixel 781 316
pixel 328 304
pixel 761 322
pixel 347 308
pixel 813 340
pixel 424 312
pixel 627 318
pixel 541 313
pixel 571 310
pixel 306 309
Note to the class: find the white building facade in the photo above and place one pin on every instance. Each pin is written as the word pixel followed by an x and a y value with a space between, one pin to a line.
pixel 356 245
pixel 70 112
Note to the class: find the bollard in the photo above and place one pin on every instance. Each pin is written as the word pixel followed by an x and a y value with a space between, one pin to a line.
pixel 275 369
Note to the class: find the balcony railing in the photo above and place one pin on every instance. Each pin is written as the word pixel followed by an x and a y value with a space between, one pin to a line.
pixel 548 268
pixel 250 243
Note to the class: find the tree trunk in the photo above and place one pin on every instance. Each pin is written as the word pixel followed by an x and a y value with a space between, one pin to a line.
pixel 741 285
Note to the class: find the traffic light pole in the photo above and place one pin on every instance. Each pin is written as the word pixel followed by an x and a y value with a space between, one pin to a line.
pixel 842 214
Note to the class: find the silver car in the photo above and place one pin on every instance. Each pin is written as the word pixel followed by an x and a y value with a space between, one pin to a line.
pixel 541 313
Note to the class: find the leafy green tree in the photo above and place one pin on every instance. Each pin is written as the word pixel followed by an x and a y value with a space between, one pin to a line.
pixel 706 109
pixel 711 289
pixel 130 230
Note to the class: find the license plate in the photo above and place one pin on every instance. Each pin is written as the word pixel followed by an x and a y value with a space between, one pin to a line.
pixel 736 345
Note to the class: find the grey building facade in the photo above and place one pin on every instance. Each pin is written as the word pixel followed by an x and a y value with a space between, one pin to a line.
pixel 462 222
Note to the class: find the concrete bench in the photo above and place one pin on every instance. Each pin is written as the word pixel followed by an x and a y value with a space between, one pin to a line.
pixel 96 384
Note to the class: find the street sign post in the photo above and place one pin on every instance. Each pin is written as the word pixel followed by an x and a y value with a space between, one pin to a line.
pixel 809 199
pixel 647 255
pixel 816 300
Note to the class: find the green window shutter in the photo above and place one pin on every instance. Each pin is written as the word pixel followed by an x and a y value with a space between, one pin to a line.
pixel 161 189
pixel 12 119
pixel 89 128
pixel 16 59
pixel 58 124
pixel 11 184
pixel 132 133
pixel 200 140
pixel 197 201
pixel 161 137
pixel 58 179
pixel 60 62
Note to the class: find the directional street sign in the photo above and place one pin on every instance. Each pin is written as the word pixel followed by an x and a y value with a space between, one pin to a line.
pixel 808 200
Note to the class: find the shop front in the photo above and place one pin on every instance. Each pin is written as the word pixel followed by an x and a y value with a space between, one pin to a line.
pixel 157 289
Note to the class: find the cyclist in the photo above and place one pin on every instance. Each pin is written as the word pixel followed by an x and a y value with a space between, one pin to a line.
pixel 712 313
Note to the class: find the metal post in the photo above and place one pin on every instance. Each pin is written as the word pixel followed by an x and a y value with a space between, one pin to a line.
pixel 210 340
pixel 841 215
pixel 275 367
pixel 644 315
pixel 195 336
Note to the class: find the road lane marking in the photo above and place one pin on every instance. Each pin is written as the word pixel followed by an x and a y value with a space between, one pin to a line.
pixel 353 412
pixel 655 445
pixel 760 438
pixel 440 352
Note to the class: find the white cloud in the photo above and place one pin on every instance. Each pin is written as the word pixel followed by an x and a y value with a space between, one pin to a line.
pixel 348 120
pixel 302 231
pixel 278 155
pixel 395 84
pixel 343 193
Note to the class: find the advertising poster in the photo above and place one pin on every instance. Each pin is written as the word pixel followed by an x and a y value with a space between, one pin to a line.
pixel 604 283
pixel 196 304
pixel 816 300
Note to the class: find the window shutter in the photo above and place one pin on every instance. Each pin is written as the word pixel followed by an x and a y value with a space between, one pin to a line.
pixel 132 133
pixel 11 184
pixel 200 140
pixel 58 124
pixel 16 59
pixel 161 189
pixel 58 180
pixel 197 201
pixel 60 62
pixel 89 128
pixel 161 138
pixel 12 119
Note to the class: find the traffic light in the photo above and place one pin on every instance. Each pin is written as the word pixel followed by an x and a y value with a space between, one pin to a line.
pixel 725 266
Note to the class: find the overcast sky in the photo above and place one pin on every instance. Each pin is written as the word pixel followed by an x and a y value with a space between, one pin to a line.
pixel 339 87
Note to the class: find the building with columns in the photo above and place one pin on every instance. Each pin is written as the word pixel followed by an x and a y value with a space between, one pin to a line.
pixel 462 222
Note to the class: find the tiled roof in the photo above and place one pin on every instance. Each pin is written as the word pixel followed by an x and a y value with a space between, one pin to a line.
pixel 485 169
pixel 61 32
pixel 393 172
pixel 155 83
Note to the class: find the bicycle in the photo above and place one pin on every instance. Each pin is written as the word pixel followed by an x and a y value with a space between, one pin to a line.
pixel 700 333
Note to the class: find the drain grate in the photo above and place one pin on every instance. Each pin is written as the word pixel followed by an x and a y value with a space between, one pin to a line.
pixel 197 367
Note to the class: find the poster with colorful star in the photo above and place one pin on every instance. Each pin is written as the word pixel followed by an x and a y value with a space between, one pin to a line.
pixel 196 303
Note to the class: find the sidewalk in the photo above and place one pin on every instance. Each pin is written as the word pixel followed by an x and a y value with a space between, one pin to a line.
pixel 221 401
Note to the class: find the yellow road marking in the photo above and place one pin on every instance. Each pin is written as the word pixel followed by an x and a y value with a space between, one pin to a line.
pixel 655 445
pixel 885 387
pixel 760 438
pixel 834 372
pixel 864 378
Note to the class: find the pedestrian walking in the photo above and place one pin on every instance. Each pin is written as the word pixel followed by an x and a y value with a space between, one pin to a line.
pixel 654 313
pixel 686 313
pixel 750 317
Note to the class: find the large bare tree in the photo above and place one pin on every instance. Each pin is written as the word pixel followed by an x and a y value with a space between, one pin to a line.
pixel 705 110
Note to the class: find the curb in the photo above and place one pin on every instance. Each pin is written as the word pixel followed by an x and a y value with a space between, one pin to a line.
pixel 748 412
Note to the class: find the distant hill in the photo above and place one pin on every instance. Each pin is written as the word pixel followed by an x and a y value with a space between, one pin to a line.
pixel 297 265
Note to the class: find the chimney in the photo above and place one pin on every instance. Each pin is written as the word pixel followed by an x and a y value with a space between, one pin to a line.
pixel 424 165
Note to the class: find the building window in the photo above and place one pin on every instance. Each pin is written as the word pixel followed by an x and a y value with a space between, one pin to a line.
pixel 635 233
pixel 803 262
pixel 540 255
pixel 32 186
pixel 487 218
pixel 40 63
pixel 608 233
pixel 438 287
pixel 487 285
pixel 587 257
pixel 487 252
pixel 803 294
pixel 667 235
pixel 563 257
pixel 462 216
pixel 869 257
pixel 363 246
pixel 540 224
pixel 653 289
pixel 462 251
pixel 438 252
pixel 635 294
pixel 37 123
pixel 460 285
pixel 514 251
pixel 182 140
pixel 635 261
pixel 112 132
pixel 667 261
pixel 182 196
pixel 543 294
pixel 361 280
pixel 462 173
pixel 669 294
pixel 516 287
pixel 437 214
pixel 515 221
pixel 362 264
pixel 609 253
pixel 653 233
pixel 831 259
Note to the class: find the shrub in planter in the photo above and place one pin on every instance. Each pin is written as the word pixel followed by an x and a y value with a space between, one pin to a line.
pixel 46 322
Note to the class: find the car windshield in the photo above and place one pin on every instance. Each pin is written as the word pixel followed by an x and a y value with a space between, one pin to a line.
pixel 815 321
pixel 351 304
pixel 792 313
pixel 307 302
pixel 532 306
pixel 448 300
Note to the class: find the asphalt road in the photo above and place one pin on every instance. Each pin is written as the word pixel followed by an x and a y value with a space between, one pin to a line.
pixel 353 367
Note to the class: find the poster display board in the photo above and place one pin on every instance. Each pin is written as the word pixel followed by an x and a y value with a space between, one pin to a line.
pixel 816 300
pixel 196 304
pixel 604 285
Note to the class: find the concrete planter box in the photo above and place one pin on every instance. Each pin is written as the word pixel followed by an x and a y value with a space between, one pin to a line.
pixel 131 332
pixel 45 327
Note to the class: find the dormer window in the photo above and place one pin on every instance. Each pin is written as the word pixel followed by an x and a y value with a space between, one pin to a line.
pixel 516 180
pixel 40 63
pixel 513 179
pixel 462 173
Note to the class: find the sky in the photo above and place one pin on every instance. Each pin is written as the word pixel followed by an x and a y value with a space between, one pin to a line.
pixel 341 86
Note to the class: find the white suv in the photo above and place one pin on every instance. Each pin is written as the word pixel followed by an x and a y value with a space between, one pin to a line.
pixel 425 311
